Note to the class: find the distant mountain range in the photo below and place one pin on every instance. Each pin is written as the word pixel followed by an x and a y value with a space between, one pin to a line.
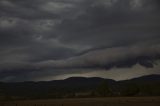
pixel 145 79
pixel 70 86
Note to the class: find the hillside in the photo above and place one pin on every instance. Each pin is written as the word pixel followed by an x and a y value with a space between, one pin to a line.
pixel 83 87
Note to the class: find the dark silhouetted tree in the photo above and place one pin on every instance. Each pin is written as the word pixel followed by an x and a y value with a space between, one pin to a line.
pixel 131 90
pixel 104 89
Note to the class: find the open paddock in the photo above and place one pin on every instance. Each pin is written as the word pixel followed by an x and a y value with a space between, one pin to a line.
pixel 110 101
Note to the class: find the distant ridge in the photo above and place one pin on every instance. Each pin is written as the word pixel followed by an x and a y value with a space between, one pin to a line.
pixel 149 86
pixel 153 77
pixel 144 79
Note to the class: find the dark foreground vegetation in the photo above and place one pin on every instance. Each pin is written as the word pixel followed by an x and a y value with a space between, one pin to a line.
pixel 80 88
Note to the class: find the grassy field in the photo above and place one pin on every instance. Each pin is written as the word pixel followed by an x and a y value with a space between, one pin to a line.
pixel 111 101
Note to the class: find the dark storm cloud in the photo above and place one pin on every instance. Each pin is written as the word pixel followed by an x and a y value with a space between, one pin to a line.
pixel 108 58
pixel 40 35
pixel 24 9
pixel 100 24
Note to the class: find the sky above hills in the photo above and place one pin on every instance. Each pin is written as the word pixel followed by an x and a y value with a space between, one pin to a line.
pixel 56 39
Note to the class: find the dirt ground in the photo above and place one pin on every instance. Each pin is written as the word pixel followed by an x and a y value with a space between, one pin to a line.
pixel 110 101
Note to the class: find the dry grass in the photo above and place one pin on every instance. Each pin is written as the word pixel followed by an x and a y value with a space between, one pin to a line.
pixel 111 101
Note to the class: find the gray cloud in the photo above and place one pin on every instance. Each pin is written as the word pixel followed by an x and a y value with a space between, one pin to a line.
pixel 108 58
pixel 99 25
pixel 40 35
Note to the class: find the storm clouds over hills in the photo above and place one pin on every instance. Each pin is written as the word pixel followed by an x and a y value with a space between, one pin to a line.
pixel 56 39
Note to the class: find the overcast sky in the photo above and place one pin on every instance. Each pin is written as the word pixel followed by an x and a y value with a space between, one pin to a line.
pixel 57 39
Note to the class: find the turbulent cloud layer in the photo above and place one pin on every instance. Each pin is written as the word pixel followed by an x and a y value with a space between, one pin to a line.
pixel 39 38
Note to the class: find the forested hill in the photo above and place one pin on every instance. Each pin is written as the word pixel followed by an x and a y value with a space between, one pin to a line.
pixel 81 87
